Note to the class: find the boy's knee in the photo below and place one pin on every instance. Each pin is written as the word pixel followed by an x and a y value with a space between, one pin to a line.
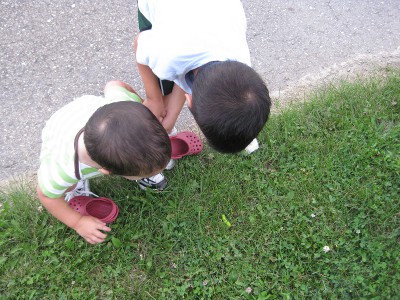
pixel 113 83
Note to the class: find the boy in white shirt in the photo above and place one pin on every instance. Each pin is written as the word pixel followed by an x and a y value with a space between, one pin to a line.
pixel 200 47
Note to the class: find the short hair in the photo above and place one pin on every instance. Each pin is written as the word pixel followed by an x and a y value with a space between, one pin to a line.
pixel 126 139
pixel 230 103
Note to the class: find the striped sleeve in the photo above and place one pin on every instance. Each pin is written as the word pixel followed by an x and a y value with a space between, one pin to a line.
pixel 54 179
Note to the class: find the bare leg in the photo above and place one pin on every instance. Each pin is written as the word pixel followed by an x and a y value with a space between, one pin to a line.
pixel 119 83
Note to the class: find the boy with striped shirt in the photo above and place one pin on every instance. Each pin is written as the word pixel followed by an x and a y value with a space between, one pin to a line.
pixel 94 136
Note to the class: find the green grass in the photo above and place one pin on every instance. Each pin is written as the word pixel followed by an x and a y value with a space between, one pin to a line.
pixel 327 174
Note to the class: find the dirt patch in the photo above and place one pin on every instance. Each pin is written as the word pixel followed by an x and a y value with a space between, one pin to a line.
pixel 28 179
pixel 361 66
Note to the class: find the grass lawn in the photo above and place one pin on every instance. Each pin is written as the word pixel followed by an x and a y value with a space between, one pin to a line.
pixel 313 214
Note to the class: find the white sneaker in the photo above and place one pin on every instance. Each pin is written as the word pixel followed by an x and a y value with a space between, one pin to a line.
pixel 253 146
pixel 157 182
pixel 82 189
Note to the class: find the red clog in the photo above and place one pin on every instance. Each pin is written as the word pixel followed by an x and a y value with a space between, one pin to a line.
pixel 103 209
pixel 185 143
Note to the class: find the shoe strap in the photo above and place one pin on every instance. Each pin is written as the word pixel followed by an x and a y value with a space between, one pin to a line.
pixel 70 195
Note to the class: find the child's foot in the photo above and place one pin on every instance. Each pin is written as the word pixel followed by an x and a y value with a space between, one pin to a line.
pixel 82 189
pixel 157 182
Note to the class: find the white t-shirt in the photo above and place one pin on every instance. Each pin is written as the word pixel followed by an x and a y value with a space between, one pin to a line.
pixel 187 34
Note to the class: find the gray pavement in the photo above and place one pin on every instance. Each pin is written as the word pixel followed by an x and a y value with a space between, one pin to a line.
pixel 53 51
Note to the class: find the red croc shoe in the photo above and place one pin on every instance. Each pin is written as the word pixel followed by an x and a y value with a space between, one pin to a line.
pixel 103 209
pixel 185 143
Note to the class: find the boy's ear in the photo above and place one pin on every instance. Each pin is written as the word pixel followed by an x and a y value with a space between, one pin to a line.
pixel 189 100
pixel 104 171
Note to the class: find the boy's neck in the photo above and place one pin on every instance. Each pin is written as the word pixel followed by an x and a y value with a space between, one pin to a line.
pixel 84 155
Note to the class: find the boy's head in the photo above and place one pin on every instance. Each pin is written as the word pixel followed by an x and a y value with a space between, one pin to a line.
pixel 126 139
pixel 230 103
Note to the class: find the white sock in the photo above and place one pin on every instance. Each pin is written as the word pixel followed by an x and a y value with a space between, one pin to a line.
pixel 171 163
pixel 253 146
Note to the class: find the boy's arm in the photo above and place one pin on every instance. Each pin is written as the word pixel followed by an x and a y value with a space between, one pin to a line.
pixel 173 103
pixel 154 98
pixel 86 226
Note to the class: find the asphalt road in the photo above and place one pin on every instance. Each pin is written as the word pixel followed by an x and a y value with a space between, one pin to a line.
pixel 53 51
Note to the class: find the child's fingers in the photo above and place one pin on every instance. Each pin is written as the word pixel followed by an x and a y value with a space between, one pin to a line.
pixel 96 237
pixel 99 235
pixel 105 228
pixel 94 240
pixel 102 226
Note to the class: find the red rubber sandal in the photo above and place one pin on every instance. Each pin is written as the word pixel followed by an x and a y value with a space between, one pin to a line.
pixel 185 143
pixel 103 209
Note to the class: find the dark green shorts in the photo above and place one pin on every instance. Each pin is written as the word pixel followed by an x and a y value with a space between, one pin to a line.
pixel 144 24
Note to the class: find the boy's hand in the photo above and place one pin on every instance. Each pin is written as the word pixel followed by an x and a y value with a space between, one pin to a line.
pixel 87 227
pixel 157 108
pixel 90 229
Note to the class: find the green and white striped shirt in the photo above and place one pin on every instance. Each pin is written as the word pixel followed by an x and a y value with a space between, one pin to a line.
pixel 57 171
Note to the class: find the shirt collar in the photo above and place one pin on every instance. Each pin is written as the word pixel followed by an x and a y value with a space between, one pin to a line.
pixel 190 76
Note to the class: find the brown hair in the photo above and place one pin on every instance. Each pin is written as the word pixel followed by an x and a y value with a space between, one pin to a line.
pixel 126 139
